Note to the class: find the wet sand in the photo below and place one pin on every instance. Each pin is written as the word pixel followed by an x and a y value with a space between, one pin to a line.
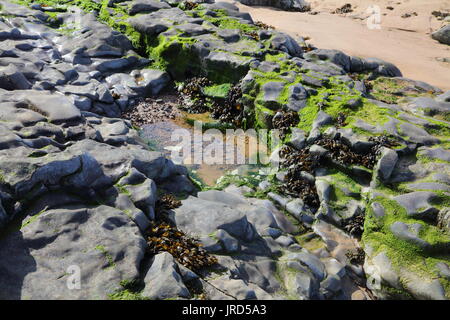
pixel 406 42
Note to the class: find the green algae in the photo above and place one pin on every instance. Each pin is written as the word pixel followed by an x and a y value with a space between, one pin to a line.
pixel 403 254
pixel 108 256
pixel 217 91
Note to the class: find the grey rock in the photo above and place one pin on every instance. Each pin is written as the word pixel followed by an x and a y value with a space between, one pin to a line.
pixel 298 209
pixel 428 106
pixel 424 289
pixel 38 260
pixel 290 5
pixel 283 42
pixel 311 262
pixel 444 218
pixel 269 66
pixel 306 285
pixel 318 150
pixel 434 153
pixel 55 107
pixel 444 270
pixel 12 79
pixel 442 35
pixel 323 190
pixel 271 92
pixel 297 97
pixel 386 164
pixel 202 217
pixel 409 233
pixel 229 35
pixel 231 289
pixel 322 119
pixel 285 241
pixel 282 201
pixel 435 186
pixel 298 138
pixel 418 204
pixel 334 267
pixel 445 97
pixel 330 286
pixel 230 244
pixel 144 6
pixel 162 280
pixel 313 81
pixel 378 209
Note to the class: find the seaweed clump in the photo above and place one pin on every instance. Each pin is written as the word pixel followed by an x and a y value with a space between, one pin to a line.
pixel 383 141
pixel 229 110
pixel 186 250
pixel 162 236
pixel 263 26
pixel 341 120
pixel 193 99
pixel 283 121
pixel 188 5
pixel 298 162
pixel 339 151
pixel 167 202
pixel 356 256
pixel 355 225
pixel 346 8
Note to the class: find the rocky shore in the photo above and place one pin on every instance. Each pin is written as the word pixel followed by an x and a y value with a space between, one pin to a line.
pixel 360 209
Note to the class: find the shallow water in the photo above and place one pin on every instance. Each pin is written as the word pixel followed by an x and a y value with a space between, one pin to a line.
pixel 166 137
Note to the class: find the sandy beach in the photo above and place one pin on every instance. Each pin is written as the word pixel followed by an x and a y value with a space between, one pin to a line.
pixel 404 41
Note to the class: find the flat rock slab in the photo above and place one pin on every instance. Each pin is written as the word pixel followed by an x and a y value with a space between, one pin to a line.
pixel 100 244
pixel 202 218
pixel 145 6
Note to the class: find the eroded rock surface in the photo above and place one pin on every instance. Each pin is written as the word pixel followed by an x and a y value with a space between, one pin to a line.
pixel 360 208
